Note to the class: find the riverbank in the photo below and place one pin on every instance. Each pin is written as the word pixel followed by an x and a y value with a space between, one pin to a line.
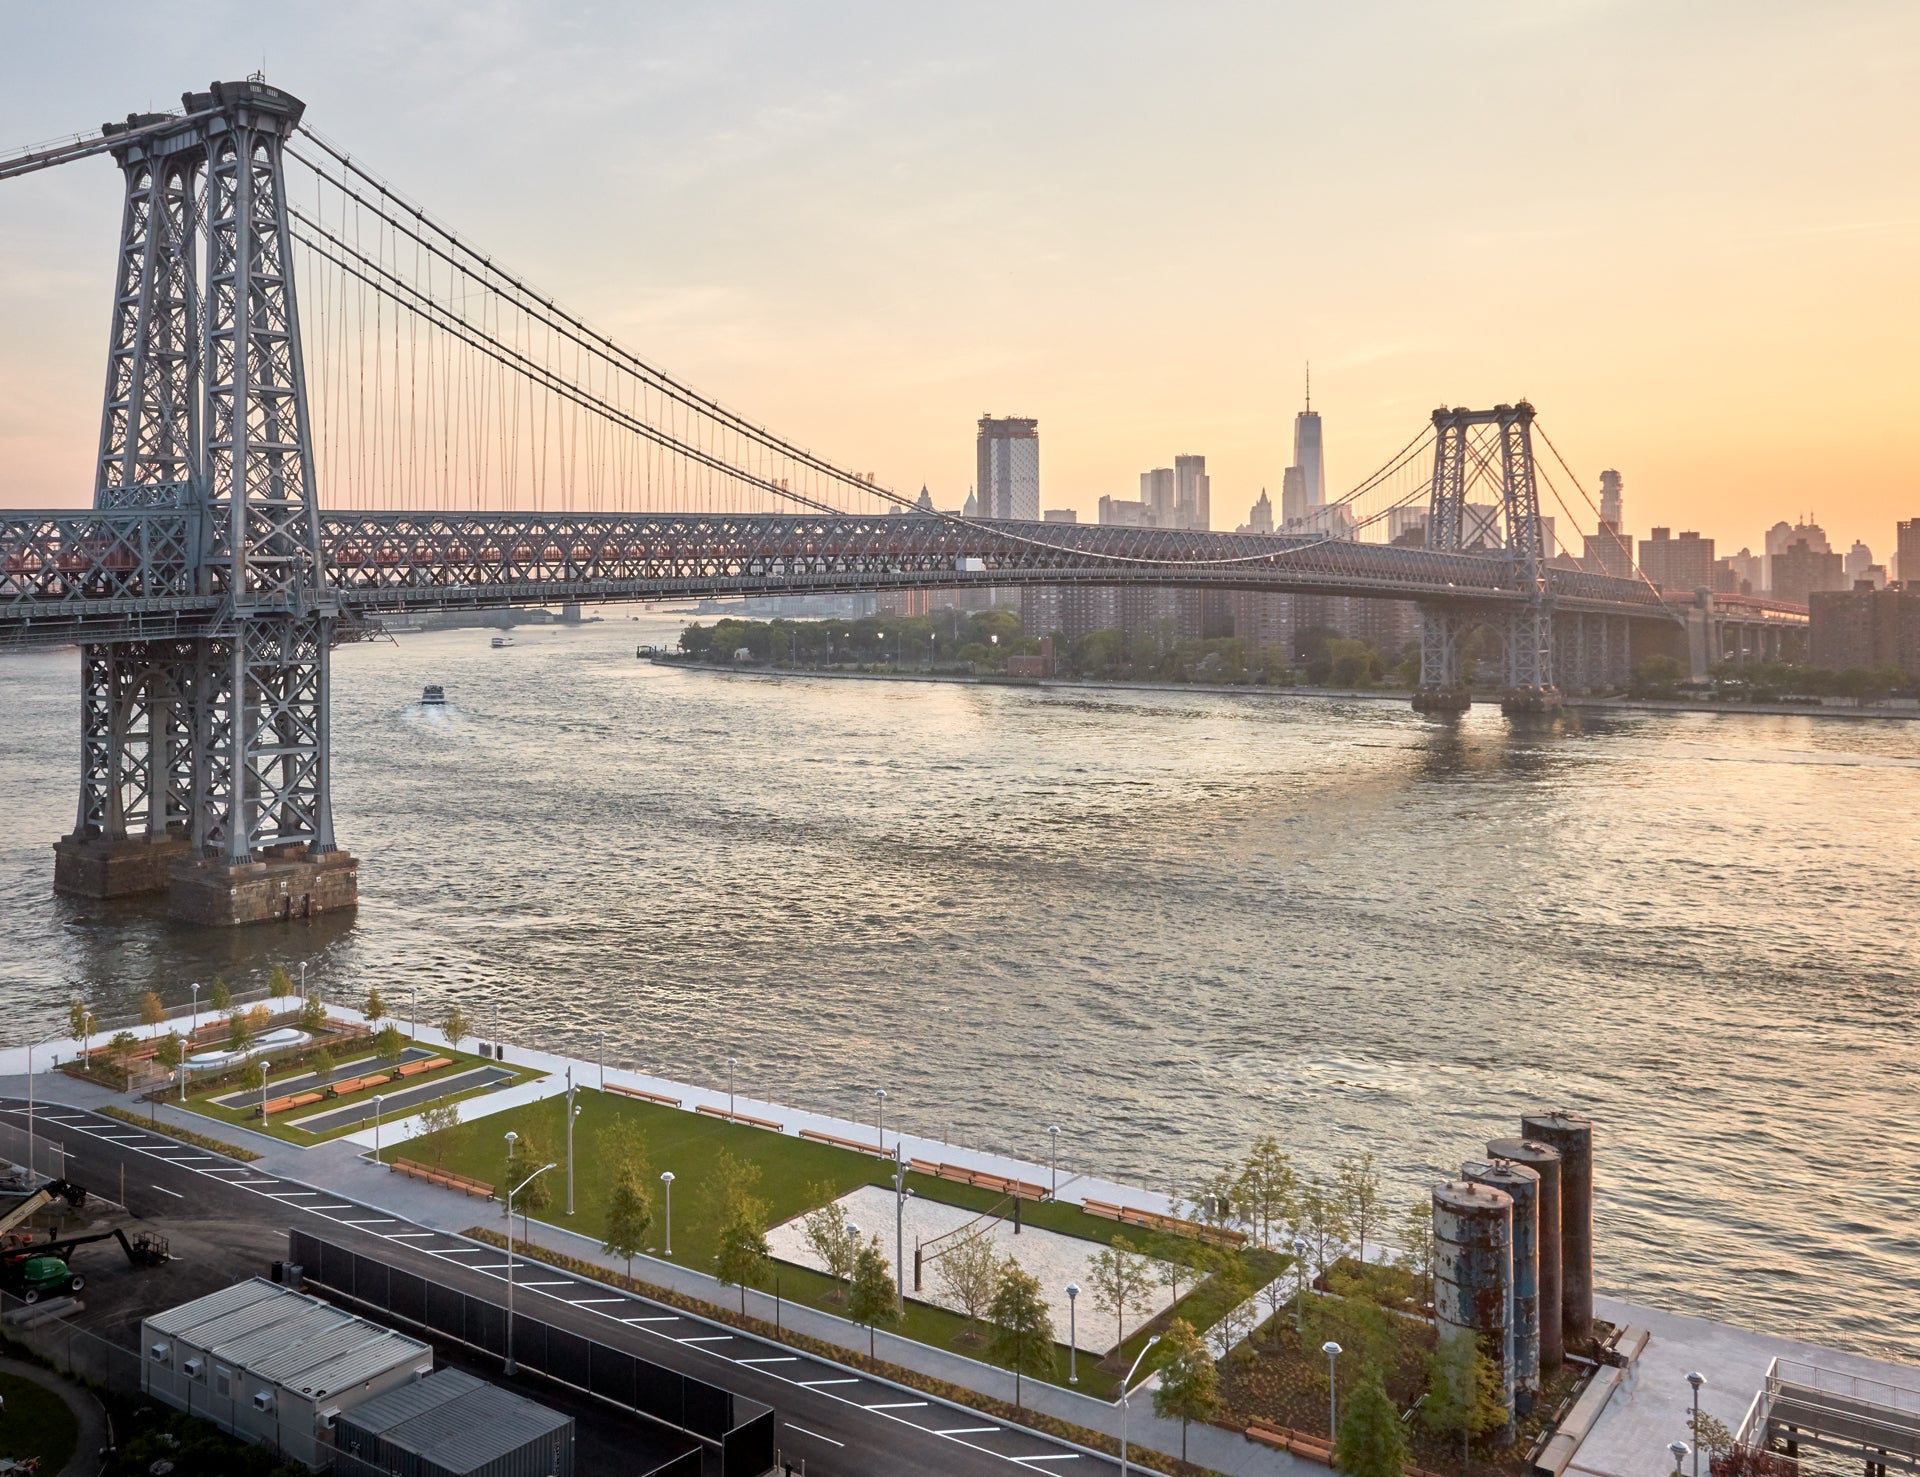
pixel 1335 694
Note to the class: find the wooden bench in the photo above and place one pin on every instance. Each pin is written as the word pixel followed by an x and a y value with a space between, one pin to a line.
pixel 725 1116
pixel 924 1166
pixel 414 1069
pixel 1152 1221
pixel 293 1100
pixel 354 1084
pixel 652 1097
pixel 443 1177
pixel 857 1145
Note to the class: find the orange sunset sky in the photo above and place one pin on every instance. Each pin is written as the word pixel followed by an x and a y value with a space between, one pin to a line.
pixel 1689 233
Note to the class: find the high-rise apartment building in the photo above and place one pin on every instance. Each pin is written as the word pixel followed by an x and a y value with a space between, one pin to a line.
pixel 1859 561
pixel 1293 497
pixel 1192 498
pixel 1008 452
pixel 1906 552
pixel 1782 536
pixel 1157 496
pixel 1124 513
pixel 1864 628
pixel 1612 504
pixel 1682 564
pixel 1800 569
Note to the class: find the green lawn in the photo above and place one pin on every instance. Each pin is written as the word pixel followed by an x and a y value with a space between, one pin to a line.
pixel 796 1175
pixel 365 1063
pixel 36 1423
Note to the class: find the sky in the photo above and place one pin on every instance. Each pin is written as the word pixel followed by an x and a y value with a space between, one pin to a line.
pixel 1687 233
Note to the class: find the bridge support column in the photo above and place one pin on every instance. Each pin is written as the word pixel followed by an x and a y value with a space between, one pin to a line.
pixel 1529 642
pixel 1442 688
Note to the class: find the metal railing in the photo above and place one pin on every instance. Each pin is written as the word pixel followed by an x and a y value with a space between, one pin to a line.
pixel 1828 1410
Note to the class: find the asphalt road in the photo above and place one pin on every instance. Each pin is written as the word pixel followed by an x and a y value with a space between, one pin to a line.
pixel 843 1424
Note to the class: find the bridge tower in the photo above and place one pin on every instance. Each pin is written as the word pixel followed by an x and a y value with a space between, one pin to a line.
pixel 205 761
pixel 1462 461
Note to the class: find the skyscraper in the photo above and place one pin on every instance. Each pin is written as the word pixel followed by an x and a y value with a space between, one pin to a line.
pixel 1156 495
pixel 1009 468
pixel 1191 493
pixel 1259 516
pixel 1304 487
pixel 1906 553
pixel 1293 497
pixel 1611 505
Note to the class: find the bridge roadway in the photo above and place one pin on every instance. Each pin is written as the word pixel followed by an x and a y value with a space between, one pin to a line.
pixel 845 1425
pixel 130 574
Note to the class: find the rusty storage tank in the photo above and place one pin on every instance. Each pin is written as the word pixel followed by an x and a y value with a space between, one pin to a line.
pixel 1544 1162
pixel 1522 1187
pixel 1572 1136
pixel 1473 1271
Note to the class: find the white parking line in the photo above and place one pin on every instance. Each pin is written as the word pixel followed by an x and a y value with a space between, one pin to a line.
pixel 385 1220
pixel 671 1318
pixel 326 1207
pixel 525 1283
pixel 902 1405
pixel 408 1235
pixel 774 1359
pixel 815 1384
pixel 803 1431
pixel 1065 1456
pixel 708 1338
pixel 968 1431
pixel 165 1191
pixel 592 1302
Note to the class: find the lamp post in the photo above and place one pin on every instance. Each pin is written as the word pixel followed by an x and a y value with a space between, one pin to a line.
pixel 603 1061
pixel 30 1047
pixel 376 1132
pixel 1053 1134
pixel 1332 1351
pixel 572 1113
pixel 1073 1334
pixel 1126 1395
pixel 880 1121
pixel 1696 1379
pixel 732 1062
pixel 413 1012
pixel 196 1011
pixel 901 1194
pixel 1300 1287
pixel 666 1178
pixel 1679 1450
pixel 511 1367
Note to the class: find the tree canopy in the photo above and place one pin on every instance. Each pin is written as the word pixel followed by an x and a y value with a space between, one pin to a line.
pixel 1189 1388
pixel 1022 1337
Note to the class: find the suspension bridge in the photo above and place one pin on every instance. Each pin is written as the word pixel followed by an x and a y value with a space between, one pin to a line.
pixel 491 449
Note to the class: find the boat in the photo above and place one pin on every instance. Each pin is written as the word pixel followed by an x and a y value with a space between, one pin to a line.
pixel 433 695
pixel 500 641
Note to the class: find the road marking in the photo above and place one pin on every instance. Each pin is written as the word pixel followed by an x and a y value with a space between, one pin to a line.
pixel 803 1431
pixel 814 1384
pixel 674 1318
pixel 968 1431
pixel 251 1183
pixel 903 1405
pixel 1065 1456
pixel 165 1191
pixel 326 1207
pixel 525 1283
pixel 775 1359
pixel 295 1194
pixel 404 1235
pixel 590 1302
pixel 707 1338
pixel 491 1267
pixel 385 1220
pixel 226 1169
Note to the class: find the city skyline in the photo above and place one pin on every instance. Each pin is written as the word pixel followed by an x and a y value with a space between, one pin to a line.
pixel 945 234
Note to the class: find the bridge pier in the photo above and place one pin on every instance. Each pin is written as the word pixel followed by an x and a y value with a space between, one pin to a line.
pixel 1442 687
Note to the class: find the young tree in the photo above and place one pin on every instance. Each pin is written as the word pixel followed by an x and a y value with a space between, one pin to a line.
pixel 969 1274
pixel 1189 1383
pixel 390 1044
pixel 170 1051
pixel 279 983
pixel 438 1126
pixel 731 1187
pixel 152 1012
pixel 870 1294
pixel 218 995
pixel 1235 1293
pixel 313 1015
pixel 1022 1336
pixel 260 1018
pixel 629 1213
pixel 830 1238
pixel 80 1022
pixel 1265 1190
pixel 375 1010
pixel 1372 1442
pixel 1416 1242
pixel 1463 1391
pixel 239 1032
pixel 122 1046
pixel 1121 1278
pixel 455 1026
pixel 1321 1224
pixel 323 1064
pixel 1180 1261
pixel 528 1155
pixel 1358 1191
pixel 254 1079
pixel 744 1256
pixel 1212 1204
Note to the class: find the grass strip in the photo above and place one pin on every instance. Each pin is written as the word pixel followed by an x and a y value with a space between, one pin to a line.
pixel 185 1135
pixel 960 1395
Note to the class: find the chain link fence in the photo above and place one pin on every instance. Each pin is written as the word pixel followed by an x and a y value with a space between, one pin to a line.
pixel 40 1328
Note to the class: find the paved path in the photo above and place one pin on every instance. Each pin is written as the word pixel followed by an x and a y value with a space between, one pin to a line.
pixel 87 1411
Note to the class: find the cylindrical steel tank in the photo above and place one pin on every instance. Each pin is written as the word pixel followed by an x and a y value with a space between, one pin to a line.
pixel 1522 1187
pixel 1544 1162
pixel 1572 1135
pixel 1473 1271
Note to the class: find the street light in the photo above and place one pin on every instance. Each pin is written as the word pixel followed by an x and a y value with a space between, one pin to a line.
pixel 666 1178
pixel 1053 1132
pixel 413 1013
pixel 570 1118
pixel 880 1123
pixel 603 1061
pixel 510 1366
pixel 1300 1287
pixel 1126 1395
pixel 1073 1334
pixel 732 1062
pixel 196 1011
pixel 1679 1450
pixel 901 1194
pixel 1332 1351
pixel 376 1125
pixel 1696 1379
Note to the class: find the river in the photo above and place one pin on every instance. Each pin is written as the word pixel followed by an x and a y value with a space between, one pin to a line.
pixel 1164 921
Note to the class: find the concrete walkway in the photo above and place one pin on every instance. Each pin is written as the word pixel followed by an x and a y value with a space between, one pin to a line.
pixel 90 1445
